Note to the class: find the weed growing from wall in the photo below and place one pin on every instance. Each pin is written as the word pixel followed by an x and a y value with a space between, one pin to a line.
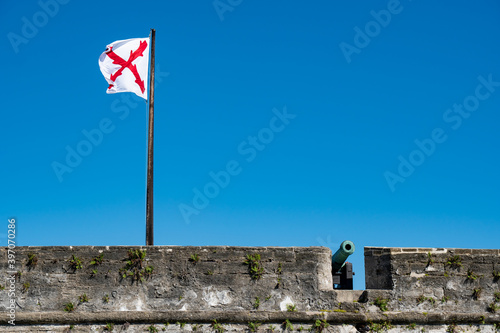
pixel 287 325
pixel 217 327
pixel 109 327
pixel 454 262
pixel 381 303
pixel 476 293
pixel 253 326
pixel 194 258
pixel 256 304
pixel 320 325
pixel 152 329
pixel 471 276
pixel 97 260
pixel 254 266
pixel 32 260
pixel 134 266
pixel 69 307
pixel 75 263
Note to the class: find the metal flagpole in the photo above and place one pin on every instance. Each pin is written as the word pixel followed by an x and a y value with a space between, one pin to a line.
pixel 149 186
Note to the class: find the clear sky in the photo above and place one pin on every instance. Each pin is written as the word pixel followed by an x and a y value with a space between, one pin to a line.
pixel 373 121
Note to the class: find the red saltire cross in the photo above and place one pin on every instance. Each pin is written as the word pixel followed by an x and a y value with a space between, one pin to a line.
pixel 128 64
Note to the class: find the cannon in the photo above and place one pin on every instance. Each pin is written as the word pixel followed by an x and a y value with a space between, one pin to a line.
pixel 342 270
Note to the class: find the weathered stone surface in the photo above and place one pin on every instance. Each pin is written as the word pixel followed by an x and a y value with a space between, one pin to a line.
pixel 432 275
pixel 420 288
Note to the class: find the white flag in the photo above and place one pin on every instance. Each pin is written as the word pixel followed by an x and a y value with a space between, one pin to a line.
pixel 125 64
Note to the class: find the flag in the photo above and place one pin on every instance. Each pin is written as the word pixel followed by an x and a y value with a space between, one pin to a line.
pixel 124 65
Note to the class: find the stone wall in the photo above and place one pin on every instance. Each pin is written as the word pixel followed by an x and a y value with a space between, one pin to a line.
pixel 182 289
pixel 434 280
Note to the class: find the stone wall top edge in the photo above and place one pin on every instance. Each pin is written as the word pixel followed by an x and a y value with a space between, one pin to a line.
pixel 120 247
pixel 384 249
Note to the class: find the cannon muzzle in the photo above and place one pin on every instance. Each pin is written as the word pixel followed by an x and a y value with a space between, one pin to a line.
pixel 339 258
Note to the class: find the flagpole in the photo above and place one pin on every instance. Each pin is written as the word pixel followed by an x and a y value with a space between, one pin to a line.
pixel 149 186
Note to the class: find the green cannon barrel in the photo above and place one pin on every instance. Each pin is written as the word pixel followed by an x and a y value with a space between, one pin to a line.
pixel 339 258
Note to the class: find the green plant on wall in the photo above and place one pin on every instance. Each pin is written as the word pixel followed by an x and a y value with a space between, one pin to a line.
pixel 452 328
pixel 278 282
pixel 476 293
pixel 381 303
pixel 152 329
pixel 148 271
pixel 136 257
pixel 430 261
pixel 421 299
pixel 109 327
pixel 454 262
pixel 194 258
pixel 471 276
pixel 83 298
pixel 411 326
pixel 134 266
pixel 287 325
pixel 32 260
pixel 253 326
pixel 256 303
pixel 320 325
pixel 69 307
pixel 217 327
pixel 279 271
pixel 97 260
pixel 494 307
pixel 254 266
pixel 379 327
pixel 75 263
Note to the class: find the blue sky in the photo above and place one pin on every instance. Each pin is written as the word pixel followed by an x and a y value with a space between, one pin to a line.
pixel 387 133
